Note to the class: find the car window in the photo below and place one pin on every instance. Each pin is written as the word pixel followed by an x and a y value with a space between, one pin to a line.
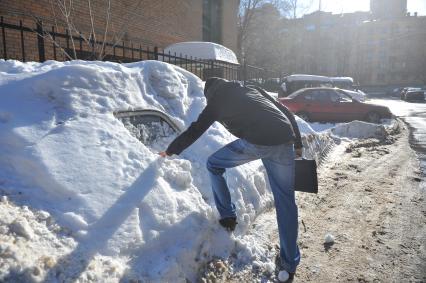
pixel 334 96
pixel 344 96
pixel 308 95
pixel 320 96
pixel 148 127
pixel 339 96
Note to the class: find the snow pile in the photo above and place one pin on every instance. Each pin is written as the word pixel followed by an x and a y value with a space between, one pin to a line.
pixel 360 129
pixel 30 247
pixel 304 127
pixel 120 207
pixel 202 50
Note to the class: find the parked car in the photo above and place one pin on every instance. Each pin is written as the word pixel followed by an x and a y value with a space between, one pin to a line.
pixel 331 104
pixel 407 89
pixel 414 95
pixel 295 82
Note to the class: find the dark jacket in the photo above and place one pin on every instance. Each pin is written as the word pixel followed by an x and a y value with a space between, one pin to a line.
pixel 248 113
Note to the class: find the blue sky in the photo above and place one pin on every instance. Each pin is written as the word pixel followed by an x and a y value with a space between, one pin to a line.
pixel 347 6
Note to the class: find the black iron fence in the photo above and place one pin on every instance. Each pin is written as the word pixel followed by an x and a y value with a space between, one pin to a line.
pixel 39 43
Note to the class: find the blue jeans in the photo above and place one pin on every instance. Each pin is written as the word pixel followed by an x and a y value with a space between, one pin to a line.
pixel 279 163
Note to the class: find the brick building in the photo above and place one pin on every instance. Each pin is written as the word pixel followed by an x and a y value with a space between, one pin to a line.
pixel 131 22
pixel 372 49
pixel 388 8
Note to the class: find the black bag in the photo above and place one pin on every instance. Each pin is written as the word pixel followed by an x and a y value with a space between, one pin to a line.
pixel 306 176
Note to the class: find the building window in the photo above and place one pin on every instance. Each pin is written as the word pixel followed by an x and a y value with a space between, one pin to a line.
pixel 212 20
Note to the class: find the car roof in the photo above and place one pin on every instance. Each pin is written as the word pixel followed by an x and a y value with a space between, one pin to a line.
pixel 342 79
pixel 303 77
pixel 302 90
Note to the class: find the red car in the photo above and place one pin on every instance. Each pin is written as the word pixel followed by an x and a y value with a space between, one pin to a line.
pixel 332 104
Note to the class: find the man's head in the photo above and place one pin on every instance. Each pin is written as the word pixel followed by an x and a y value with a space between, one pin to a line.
pixel 210 86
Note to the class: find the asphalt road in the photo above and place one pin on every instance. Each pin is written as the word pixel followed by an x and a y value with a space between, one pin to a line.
pixel 414 114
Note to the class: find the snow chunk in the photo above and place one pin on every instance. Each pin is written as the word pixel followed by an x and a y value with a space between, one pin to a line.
pixel 359 129
pixel 21 228
pixel 74 221
pixel 4 199
pixel 43 215
pixel 283 276
pixel 329 239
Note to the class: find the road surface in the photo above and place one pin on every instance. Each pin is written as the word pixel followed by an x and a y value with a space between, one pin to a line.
pixel 372 200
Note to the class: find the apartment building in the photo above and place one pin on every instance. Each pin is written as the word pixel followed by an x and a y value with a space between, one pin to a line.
pixel 383 47
pixel 147 23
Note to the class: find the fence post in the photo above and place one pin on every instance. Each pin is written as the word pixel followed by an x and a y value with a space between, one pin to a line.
pixel 123 50
pixel 22 41
pixel 80 38
pixel 4 39
pixel 212 74
pixel 155 53
pixel 54 42
pixel 40 41
pixel 92 44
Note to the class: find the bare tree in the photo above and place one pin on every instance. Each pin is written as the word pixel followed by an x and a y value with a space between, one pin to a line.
pixel 245 18
pixel 246 14
pixel 65 7
pixel 63 13
pixel 297 7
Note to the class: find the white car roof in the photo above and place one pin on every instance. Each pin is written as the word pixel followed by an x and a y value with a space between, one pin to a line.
pixel 342 79
pixel 202 50
pixel 302 77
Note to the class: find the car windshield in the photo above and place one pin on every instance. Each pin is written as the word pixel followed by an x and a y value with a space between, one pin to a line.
pixel 149 127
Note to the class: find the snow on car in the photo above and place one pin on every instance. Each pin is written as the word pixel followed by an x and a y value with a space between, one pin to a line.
pixel 202 50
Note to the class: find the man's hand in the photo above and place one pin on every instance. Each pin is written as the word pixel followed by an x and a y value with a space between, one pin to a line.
pixel 163 154
pixel 299 152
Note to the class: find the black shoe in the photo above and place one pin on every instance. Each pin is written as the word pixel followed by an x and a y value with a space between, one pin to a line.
pixel 229 223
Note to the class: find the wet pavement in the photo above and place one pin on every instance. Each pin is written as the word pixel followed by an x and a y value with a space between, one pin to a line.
pixel 414 114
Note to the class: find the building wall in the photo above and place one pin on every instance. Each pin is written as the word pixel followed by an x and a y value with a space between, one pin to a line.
pixel 147 23
pixel 229 24
pixel 388 8
pixel 387 51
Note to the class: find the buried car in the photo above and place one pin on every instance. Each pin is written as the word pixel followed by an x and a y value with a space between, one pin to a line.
pixel 331 104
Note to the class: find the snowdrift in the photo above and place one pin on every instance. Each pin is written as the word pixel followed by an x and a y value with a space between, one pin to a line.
pixel 65 153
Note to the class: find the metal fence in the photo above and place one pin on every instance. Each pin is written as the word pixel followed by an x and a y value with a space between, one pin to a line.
pixel 39 43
